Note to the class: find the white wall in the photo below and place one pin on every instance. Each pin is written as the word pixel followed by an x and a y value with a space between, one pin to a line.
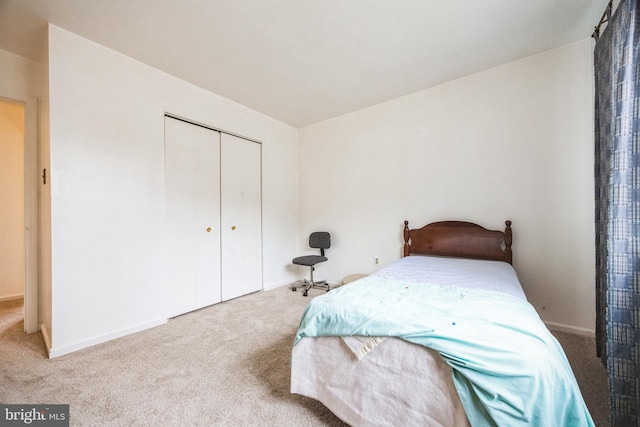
pixel 107 187
pixel 12 261
pixel 514 142
pixel 19 75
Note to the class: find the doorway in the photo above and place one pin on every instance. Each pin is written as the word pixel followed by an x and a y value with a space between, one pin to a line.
pixel 18 211
pixel 12 262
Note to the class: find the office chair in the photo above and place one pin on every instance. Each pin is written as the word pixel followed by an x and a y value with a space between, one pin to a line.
pixel 317 240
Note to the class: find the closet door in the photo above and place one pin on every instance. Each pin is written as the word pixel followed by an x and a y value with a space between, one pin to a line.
pixel 192 191
pixel 241 221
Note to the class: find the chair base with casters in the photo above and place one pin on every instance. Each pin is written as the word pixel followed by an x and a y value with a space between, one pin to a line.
pixel 319 240
pixel 308 284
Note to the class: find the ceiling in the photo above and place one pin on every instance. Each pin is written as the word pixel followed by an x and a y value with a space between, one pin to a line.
pixel 304 61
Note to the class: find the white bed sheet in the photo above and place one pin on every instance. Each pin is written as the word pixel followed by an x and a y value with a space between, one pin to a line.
pixel 469 273
pixel 382 382
pixel 375 391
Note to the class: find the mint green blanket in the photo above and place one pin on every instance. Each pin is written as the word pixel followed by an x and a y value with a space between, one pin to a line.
pixel 507 367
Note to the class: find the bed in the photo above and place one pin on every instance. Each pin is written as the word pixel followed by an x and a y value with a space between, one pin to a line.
pixel 442 337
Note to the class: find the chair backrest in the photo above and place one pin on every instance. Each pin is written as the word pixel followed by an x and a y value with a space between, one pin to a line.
pixel 320 240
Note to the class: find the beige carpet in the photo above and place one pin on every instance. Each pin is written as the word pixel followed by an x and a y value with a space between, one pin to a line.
pixel 225 365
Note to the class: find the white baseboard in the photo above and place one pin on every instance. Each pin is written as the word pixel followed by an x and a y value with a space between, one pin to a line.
pixel 66 349
pixel 11 297
pixel 279 285
pixel 560 327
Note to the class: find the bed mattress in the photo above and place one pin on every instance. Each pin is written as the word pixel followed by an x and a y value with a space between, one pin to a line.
pixel 383 380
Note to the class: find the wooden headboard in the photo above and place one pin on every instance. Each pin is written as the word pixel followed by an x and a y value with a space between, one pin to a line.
pixel 459 239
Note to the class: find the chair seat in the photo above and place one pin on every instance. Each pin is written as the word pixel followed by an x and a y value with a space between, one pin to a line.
pixel 309 260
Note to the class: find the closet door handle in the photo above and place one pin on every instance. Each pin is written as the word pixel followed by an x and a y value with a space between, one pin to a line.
pixel 233 227
pixel 208 229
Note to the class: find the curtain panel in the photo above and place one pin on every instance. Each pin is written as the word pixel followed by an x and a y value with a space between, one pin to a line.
pixel 617 216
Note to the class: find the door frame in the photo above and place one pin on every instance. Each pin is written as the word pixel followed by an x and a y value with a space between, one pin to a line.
pixel 31 179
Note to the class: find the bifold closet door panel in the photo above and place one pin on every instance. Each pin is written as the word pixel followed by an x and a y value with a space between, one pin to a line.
pixel 192 191
pixel 241 221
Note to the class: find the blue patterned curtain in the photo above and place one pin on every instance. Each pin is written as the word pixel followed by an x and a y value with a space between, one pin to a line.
pixel 617 180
